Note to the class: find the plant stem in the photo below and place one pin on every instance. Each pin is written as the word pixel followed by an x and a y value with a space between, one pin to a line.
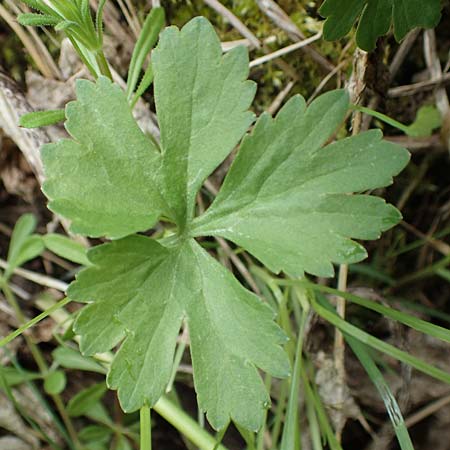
pixel 146 428
pixel 186 425
pixel 40 360
pixel 290 437
pixel 103 65
pixel 34 321
pixel 380 116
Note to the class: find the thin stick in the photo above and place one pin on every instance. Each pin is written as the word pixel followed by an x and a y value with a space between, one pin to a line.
pixel 357 86
pixel 427 411
pixel 233 20
pixel 275 105
pixel 285 50
pixel 240 266
pixel 326 79
pixel 421 86
pixel 435 69
pixel 37 278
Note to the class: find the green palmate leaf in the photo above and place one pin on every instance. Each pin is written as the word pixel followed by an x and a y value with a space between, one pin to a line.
pixel 211 98
pixel 201 102
pixel 142 290
pixel 376 18
pixel 286 200
pixel 106 179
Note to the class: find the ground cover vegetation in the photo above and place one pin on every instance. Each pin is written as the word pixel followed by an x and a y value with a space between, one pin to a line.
pixel 260 267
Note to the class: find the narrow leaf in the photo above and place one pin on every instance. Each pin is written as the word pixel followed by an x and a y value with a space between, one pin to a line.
pixel 72 359
pixel 144 84
pixel 380 345
pixel 37 20
pixel 66 248
pixel 389 400
pixel 42 118
pixel 38 5
pixel 22 230
pixel 153 25
pixel 85 399
pixel 23 246
pixel 13 376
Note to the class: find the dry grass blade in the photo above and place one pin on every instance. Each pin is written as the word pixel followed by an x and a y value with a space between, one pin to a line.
pixel 233 20
pixel 45 58
pixel 435 69
pixel 37 278
pixel 421 86
pixel 285 50
pixel 277 15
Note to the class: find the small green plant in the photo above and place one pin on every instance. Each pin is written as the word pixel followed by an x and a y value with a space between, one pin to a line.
pixel 375 18
pixel 286 199
pixel 289 199
pixel 74 18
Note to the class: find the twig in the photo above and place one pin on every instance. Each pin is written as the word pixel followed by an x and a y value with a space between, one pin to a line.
pixel 12 105
pixel 437 244
pixel 402 52
pixel 356 87
pixel 421 86
pixel 229 45
pixel 240 266
pixel 283 21
pixel 397 61
pixel 37 278
pixel 285 50
pixel 434 66
pixel 275 105
pixel 426 411
pixel 326 79
pixel 231 18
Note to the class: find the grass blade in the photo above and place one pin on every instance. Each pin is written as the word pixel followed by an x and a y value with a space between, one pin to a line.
pixel 407 319
pixel 378 344
pixel 389 400
pixel 147 39
pixel 290 436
